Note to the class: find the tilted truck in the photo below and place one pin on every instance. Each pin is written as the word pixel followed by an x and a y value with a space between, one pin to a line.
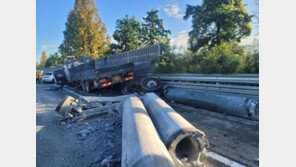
pixel 132 69
pixel 85 73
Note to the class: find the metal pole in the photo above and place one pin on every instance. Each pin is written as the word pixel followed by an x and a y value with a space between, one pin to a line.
pixel 232 105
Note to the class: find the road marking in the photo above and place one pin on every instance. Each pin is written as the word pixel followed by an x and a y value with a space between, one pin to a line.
pixel 76 94
pixel 224 160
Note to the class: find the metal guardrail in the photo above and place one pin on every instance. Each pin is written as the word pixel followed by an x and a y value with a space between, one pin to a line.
pixel 216 78
pixel 218 83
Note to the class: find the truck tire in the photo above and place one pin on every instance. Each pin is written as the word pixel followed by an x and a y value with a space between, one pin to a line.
pixel 126 89
pixel 150 84
pixel 88 86
pixel 83 86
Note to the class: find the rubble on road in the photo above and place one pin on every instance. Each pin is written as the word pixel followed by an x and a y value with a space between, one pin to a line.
pixel 102 135
pixel 54 88
pixel 75 110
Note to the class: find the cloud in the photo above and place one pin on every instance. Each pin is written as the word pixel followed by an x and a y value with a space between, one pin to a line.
pixel 44 47
pixel 180 42
pixel 249 40
pixel 173 11
pixel 251 44
pixel 113 40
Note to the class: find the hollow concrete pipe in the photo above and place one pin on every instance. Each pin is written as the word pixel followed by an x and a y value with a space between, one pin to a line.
pixel 232 105
pixel 184 142
pixel 141 145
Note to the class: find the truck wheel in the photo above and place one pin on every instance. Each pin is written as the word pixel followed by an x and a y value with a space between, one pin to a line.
pixel 125 89
pixel 83 86
pixel 88 87
pixel 150 84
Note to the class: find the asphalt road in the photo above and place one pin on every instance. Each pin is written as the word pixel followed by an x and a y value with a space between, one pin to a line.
pixel 64 145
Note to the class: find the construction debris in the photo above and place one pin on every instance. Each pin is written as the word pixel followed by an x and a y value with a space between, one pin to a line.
pixel 88 116
pixel 68 107
pixel 54 88
pixel 75 110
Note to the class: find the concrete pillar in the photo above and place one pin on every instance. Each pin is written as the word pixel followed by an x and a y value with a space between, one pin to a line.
pixel 141 145
pixel 232 105
pixel 184 142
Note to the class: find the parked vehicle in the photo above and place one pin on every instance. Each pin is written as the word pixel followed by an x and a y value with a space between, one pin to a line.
pixel 48 78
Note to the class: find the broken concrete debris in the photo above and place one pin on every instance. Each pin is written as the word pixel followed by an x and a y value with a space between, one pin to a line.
pixel 75 110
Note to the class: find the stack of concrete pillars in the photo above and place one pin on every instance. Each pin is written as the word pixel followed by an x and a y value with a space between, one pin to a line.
pixel 141 144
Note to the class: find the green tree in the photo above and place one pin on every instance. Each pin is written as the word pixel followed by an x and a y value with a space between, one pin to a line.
pixel 54 60
pixel 250 63
pixel 223 58
pixel 43 60
pixel 37 66
pixel 167 63
pixel 85 32
pixel 217 21
pixel 153 30
pixel 227 57
pixel 127 34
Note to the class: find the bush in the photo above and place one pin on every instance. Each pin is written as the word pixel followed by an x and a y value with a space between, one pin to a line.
pixel 166 63
pixel 228 57
pixel 250 64
pixel 223 58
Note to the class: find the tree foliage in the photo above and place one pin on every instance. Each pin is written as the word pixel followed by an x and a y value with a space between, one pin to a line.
pixel 42 60
pixel 54 60
pixel 167 63
pixel 131 34
pixel 85 32
pixel 250 63
pixel 153 29
pixel 127 34
pixel 217 21
pixel 225 58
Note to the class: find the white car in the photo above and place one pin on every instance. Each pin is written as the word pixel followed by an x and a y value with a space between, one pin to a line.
pixel 48 78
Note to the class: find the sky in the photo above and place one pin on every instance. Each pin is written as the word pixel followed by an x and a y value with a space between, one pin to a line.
pixel 51 16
